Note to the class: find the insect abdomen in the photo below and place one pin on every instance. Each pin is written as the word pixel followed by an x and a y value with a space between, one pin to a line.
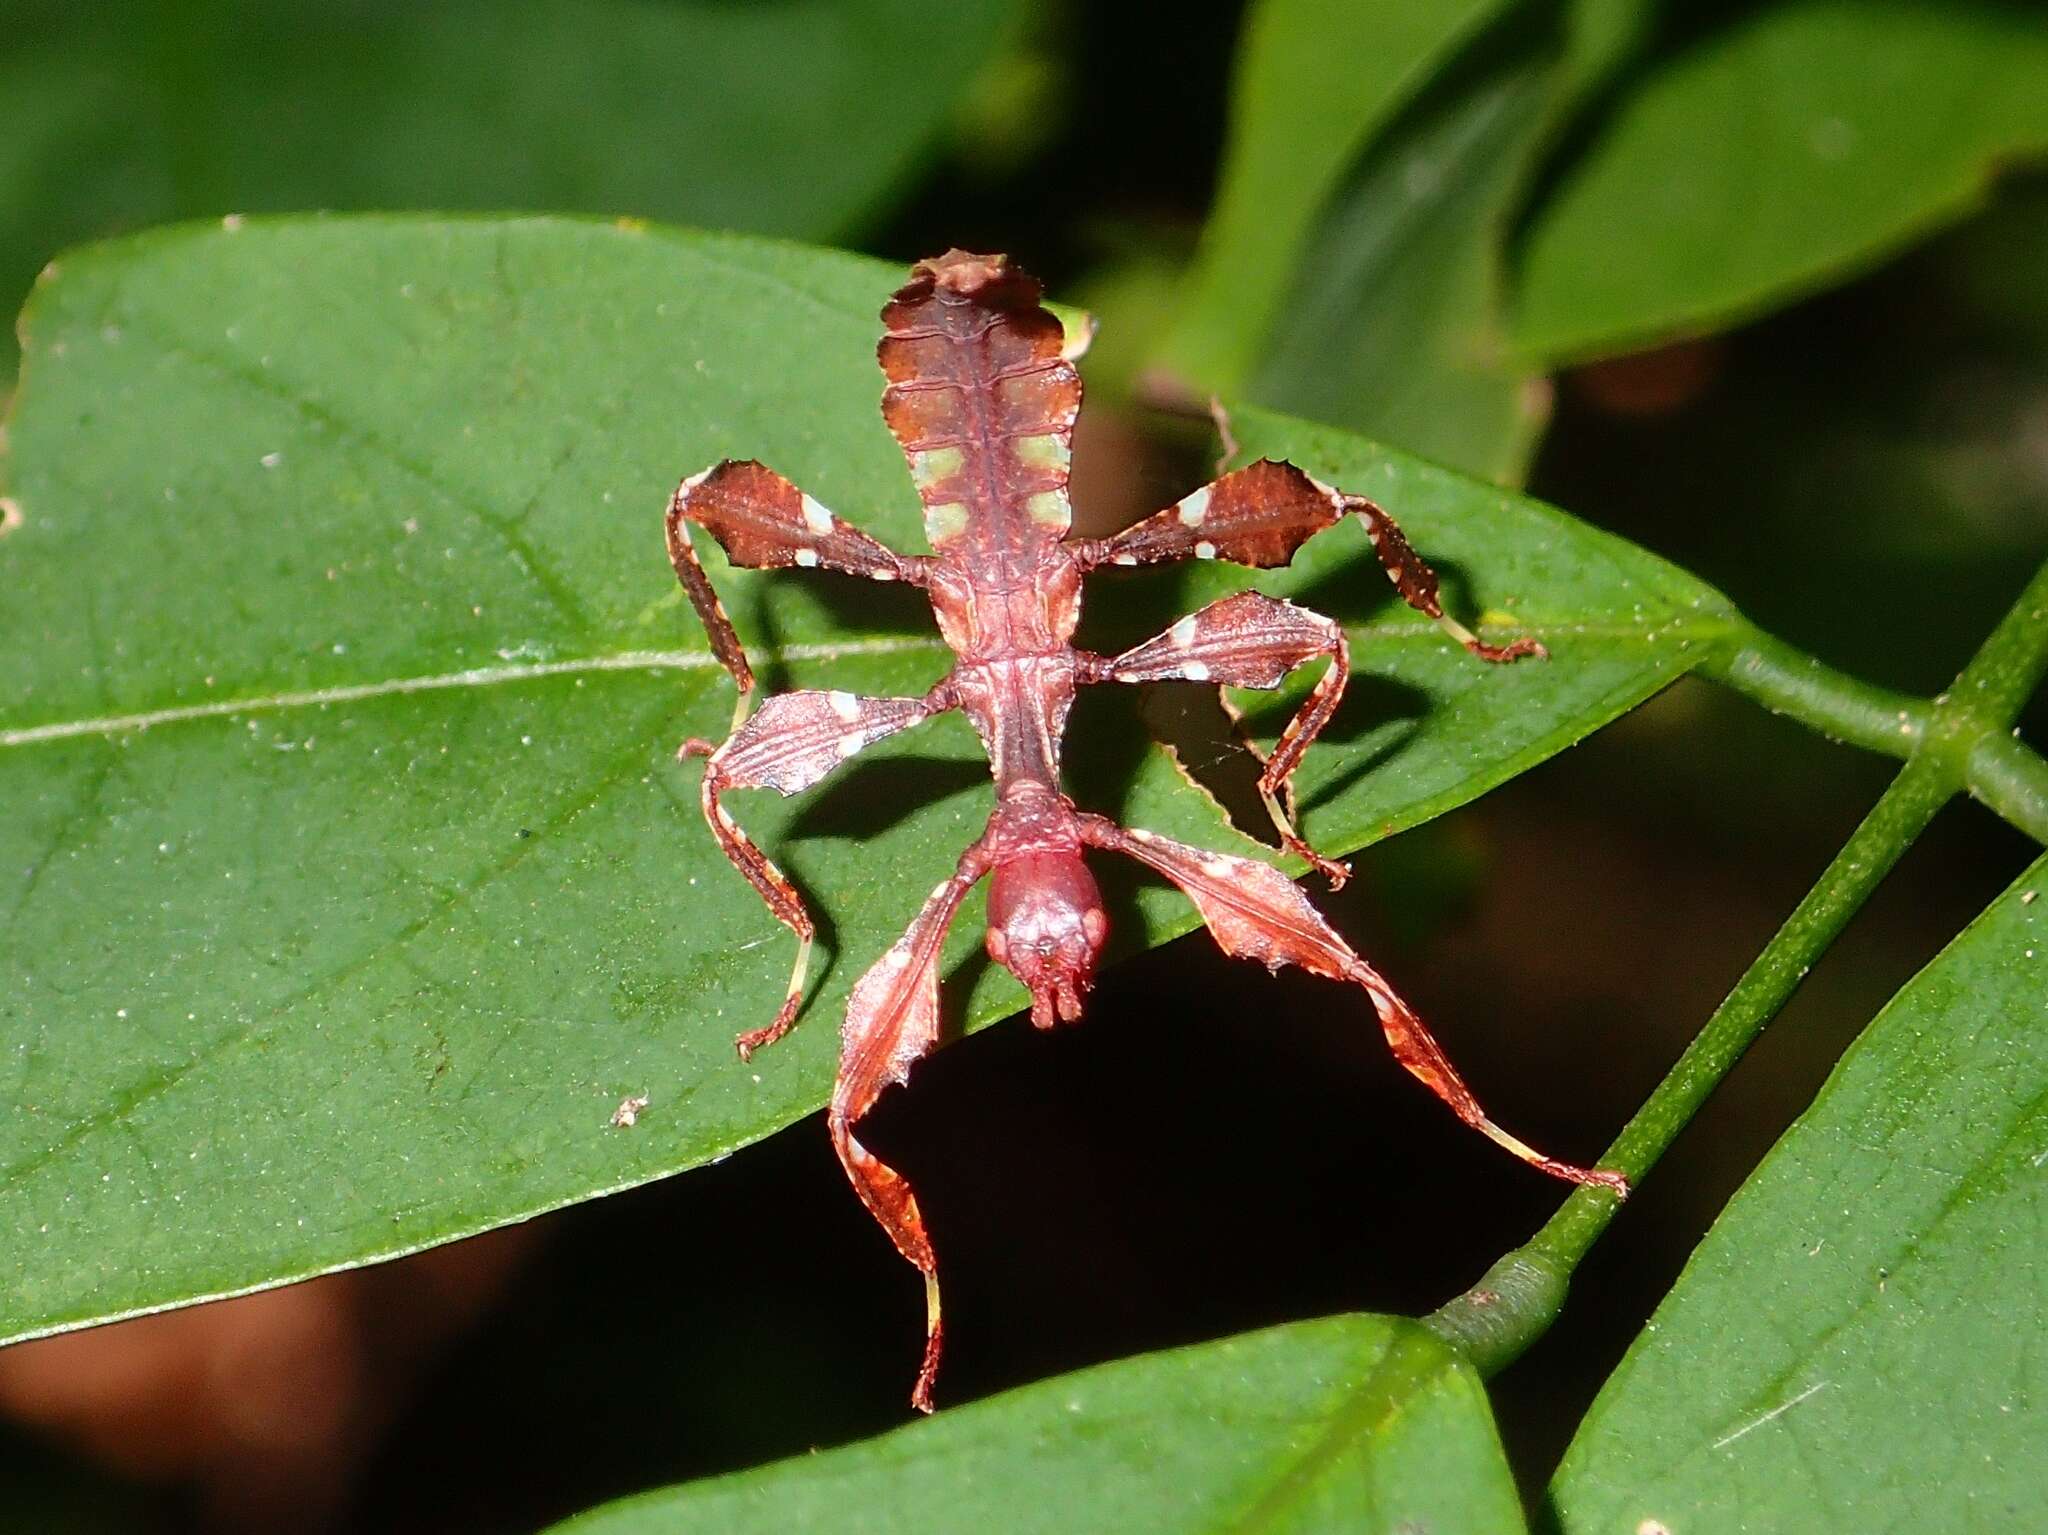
pixel 981 399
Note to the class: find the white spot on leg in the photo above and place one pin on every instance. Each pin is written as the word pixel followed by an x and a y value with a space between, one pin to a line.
pixel 1182 634
pixel 850 743
pixel 845 705
pixel 1125 559
pixel 816 518
pixel 1195 671
pixel 807 558
pixel 1193 508
pixel 1219 868
pixel 1205 550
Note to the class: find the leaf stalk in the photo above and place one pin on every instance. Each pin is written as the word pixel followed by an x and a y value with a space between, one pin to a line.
pixel 1959 741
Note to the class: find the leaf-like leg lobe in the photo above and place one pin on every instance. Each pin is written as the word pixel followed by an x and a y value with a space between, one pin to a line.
pixel 1249 640
pixel 764 522
pixel 795 740
pixel 1255 912
pixel 892 1019
pixel 1260 515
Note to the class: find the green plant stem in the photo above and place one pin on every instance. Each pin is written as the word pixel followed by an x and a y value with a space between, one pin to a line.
pixel 1790 682
pixel 1960 741
pixel 2000 772
pixel 2012 782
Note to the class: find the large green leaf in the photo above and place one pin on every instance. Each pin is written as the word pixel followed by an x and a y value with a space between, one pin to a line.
pixel 794 117
pixel 1393 322
pixel 1314 80
pixel 349 882
pixel 1856 1344
pixel 1359 1424
pixel 1768 156
pixel 1352 270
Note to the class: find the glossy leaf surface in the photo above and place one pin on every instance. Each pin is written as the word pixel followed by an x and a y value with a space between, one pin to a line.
pixel 350 882
pixel 1855 1343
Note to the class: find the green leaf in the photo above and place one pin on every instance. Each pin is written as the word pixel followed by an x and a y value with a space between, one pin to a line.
pixel 348 881
pixel 1852 1346
pixel 1770 156
pixel 1393 323
pixel 800 117
pixel 1360 1423
pixel 1352 270
pixel 1314 80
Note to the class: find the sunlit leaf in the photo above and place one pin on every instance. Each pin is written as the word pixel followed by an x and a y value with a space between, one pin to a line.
pixel 1353 270
pixel 1314 80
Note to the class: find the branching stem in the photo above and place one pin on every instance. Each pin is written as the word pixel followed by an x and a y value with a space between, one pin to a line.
pixel 1960 741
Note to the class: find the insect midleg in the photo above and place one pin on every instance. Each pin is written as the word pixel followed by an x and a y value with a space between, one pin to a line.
pixel 795 740
pixel 1253 641
pixel 775 890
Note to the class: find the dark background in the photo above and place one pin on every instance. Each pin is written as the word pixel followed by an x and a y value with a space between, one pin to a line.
pixel 1214 1149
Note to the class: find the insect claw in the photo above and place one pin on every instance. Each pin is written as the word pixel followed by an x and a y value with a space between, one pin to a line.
pixel 1331 869
pixel 696 746
pixel 1514 650
pixel 754 1039
pixel 928 1372
pixel 1596 1177
pixel 934 1345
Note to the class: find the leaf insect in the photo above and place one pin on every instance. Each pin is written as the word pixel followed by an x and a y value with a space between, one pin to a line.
pixel 982 395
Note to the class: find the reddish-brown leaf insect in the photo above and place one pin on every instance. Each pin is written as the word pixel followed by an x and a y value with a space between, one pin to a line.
pixel 982 396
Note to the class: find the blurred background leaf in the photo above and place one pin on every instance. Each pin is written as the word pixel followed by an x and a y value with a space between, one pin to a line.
pixel 1314 81
pixel 1351 1423
pixel 1854 1342
pixel 785 117
pixel 1352 270
pixel 1761 152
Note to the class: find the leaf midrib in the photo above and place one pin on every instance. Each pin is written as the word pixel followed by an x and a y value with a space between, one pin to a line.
pixel 1690 632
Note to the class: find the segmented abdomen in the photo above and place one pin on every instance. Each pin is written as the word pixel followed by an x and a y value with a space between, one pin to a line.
pixel 982 401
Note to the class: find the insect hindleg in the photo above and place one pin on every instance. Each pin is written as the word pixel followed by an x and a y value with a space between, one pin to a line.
pixel 795 740
pixel 1252 641
pixel 892 1019
pixel 1255 912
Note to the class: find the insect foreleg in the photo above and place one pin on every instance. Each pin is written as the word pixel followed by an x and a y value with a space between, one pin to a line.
pixel 892 1019
pixel 794 741
pixel 1255 912
pixel 1260 515
pixel 1253 641
pixel 764 522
